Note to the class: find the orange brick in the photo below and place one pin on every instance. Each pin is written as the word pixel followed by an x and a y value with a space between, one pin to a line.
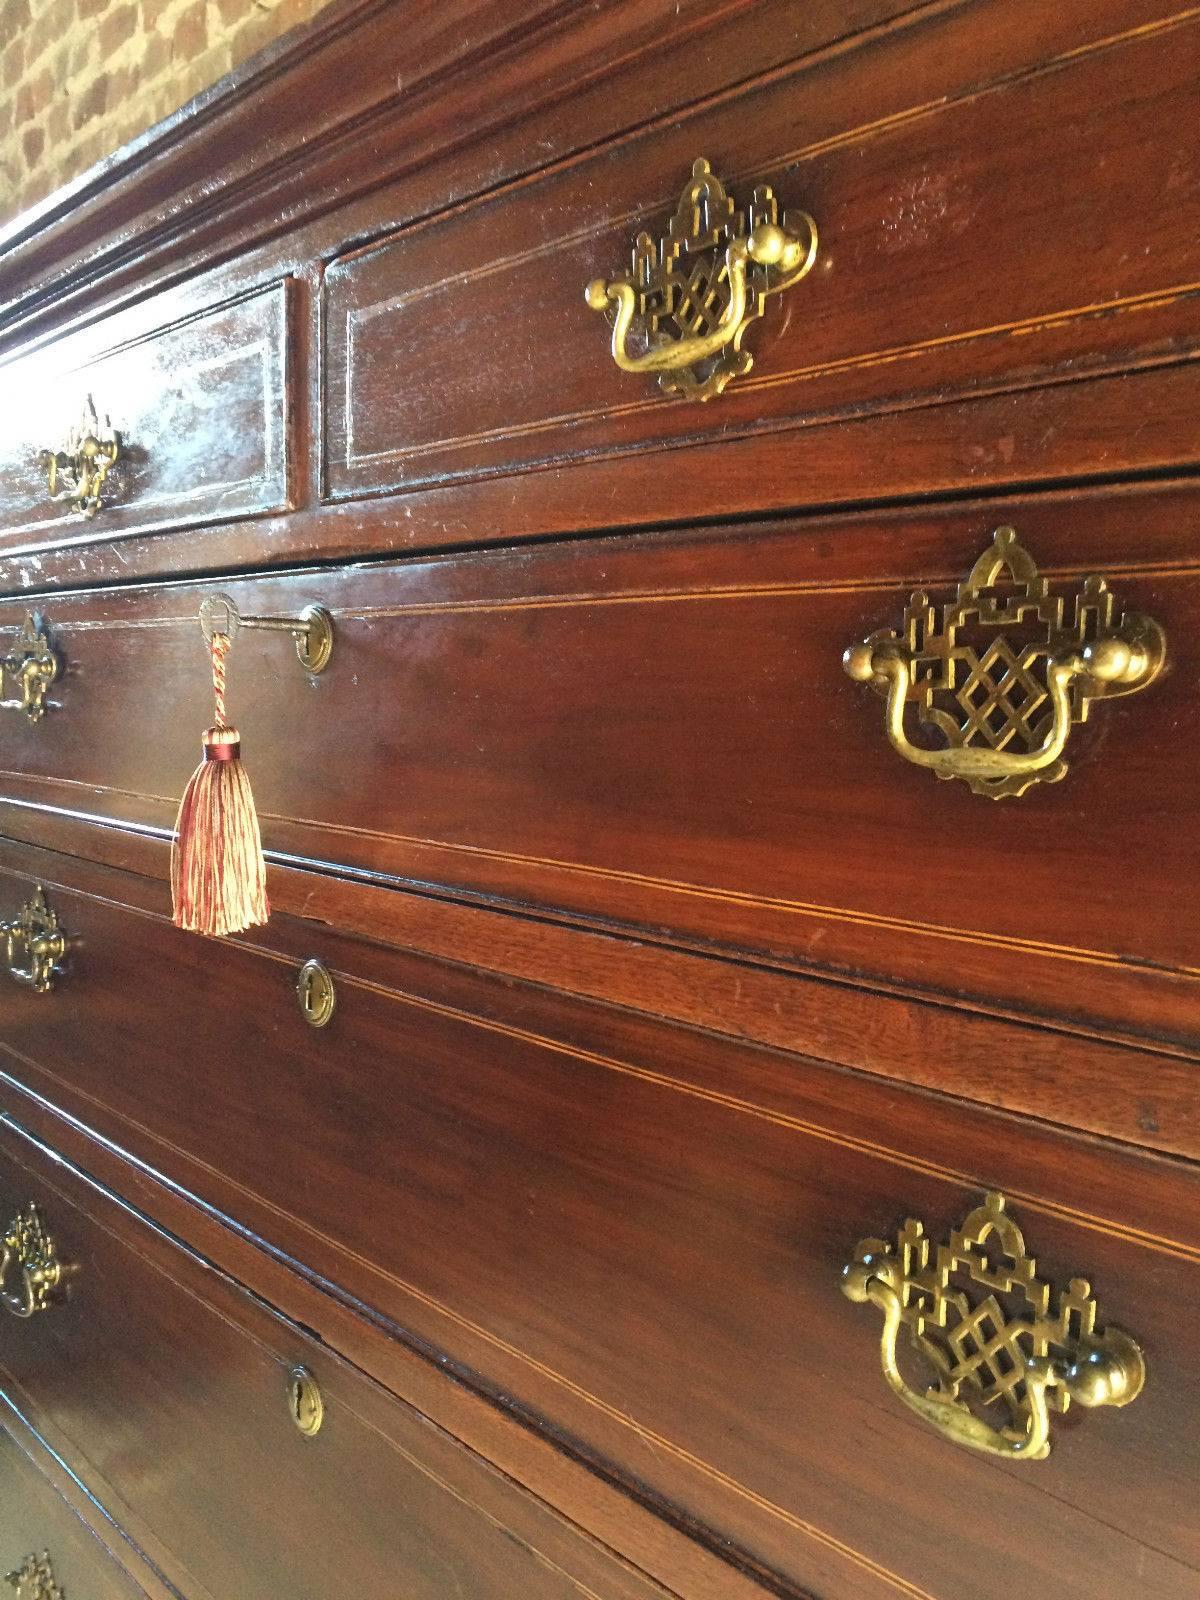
pixel 152 12
pixel 63 100
pixel 12 63
pixel 14 20
pixel 91 103
pixel 33 142
pixel 191 32
pixel 58 121
pixel 116 26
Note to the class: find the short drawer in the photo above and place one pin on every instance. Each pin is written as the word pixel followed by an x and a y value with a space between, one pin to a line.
pixel 244 1457
pixel 955 264
pixel 634 1236
pixel 197 407
pixel 657 733
pixel 43 1542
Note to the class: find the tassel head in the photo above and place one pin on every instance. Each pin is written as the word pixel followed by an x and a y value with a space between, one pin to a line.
pixel 218 876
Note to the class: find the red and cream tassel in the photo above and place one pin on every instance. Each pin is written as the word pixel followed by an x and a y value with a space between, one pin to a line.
pixel 218 877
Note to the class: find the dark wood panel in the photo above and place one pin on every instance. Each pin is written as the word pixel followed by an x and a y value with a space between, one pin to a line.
pixel 911 298
pixel 199 406
pixel 681 754
pixel 168 1387
pixel 1047 437
pixel 652 1542
pixel 633 1233
pixel 37 1521
pixel 1070 1076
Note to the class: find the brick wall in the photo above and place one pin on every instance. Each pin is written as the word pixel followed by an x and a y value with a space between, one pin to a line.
pixel 80 77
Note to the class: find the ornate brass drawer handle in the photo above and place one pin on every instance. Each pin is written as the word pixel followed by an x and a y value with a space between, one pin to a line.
pixel 76 475
pixel 34 1579
pixel 1014 1346
pixel 974 669
pixel 28 1250
pixel 36 936
pixel 693 293
pixel 34 665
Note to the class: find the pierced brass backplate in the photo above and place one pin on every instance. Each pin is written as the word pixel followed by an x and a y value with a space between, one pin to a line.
pixel 316 993
pixel 991 1332
pixel 305 1401
pixel 34 1579
pixel 999 674
pixel 77 473
pixel 33 664
pixel 683 309
pixel 35 944
pixel 31 1254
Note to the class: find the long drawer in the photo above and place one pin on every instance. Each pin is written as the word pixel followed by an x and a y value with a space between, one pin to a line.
pixel 657 733
pixel 635 1235
pixel 954 261
pixel 197 404
pixel 43 1542
pixel 247 1457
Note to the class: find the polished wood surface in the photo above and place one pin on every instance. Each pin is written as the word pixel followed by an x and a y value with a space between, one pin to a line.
pixel 633 1234
pixel 661 979
pixel 1115 1086
pixel 1083 373
pixel 153 1352
pixel 35 1519
pixel 657 734
pixel 199 407
pixel 953 257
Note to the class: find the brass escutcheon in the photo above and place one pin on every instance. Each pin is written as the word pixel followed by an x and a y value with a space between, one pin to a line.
pixel 316 993
pixel 305 1401
pixel 690 295
pixel 312 629
pixel 991 1333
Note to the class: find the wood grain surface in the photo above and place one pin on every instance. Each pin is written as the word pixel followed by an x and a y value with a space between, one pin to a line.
pixel 199 407
pixel 153 1353
pixel 633 1234
pixel 657 735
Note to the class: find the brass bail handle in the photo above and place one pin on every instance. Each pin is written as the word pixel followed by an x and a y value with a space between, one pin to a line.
pixel 77 474
pixel 992 1334
pixel 33 665
pixel 35 944
pixel 34 1579
pixel 312 629
pixel 998 701
pixel 33 1277
pixel 691 295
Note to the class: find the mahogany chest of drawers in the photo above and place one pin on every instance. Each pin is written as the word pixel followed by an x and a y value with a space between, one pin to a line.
pixel 698 507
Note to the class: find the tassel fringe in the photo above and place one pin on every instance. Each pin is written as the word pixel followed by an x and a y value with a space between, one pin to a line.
pixel 218 876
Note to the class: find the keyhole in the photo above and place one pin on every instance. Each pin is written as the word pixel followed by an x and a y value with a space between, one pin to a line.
pixel 307 1404
pixel 315 991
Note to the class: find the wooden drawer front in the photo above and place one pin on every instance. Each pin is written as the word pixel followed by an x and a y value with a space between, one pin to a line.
pixel 167 1390
pixel 634 1234
pixel 659 732
pixel 955 259
pixel 36 1523
pixel 198 405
